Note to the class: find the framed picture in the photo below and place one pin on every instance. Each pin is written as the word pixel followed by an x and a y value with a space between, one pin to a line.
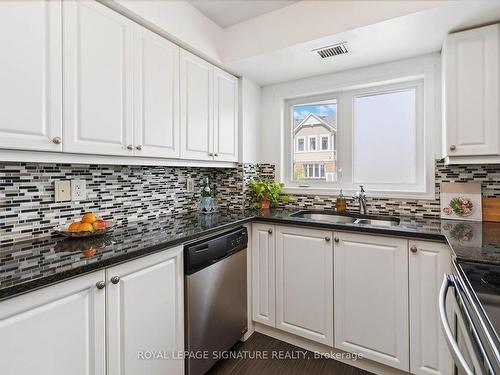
pixel 461 201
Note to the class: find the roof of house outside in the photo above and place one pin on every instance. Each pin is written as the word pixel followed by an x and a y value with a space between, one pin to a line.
pixel 330 121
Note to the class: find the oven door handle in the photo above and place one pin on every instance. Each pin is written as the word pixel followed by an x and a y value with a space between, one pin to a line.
pixel 458 357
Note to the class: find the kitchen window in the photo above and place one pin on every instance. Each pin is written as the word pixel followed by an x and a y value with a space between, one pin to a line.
pixel 373 137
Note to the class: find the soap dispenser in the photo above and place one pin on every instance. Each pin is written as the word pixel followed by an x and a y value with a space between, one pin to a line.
pixel 341 204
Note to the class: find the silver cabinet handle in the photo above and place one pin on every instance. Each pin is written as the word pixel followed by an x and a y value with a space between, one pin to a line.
pixel 115 279
pixel 130 147
pixel 138 147
pixel 453 148
pixel 270 231
pixel 100 284
pixel 459 359
pixel 327 239
pixel 413 249
pixel 57 140
pixel 336 239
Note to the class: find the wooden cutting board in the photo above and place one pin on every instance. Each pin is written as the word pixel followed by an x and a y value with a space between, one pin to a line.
pixel 491 209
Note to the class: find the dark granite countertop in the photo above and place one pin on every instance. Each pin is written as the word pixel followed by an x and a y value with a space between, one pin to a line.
pixel 28 265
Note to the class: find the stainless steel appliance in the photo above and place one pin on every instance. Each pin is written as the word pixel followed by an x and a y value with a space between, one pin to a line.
pixel 471 330
pixel 215 297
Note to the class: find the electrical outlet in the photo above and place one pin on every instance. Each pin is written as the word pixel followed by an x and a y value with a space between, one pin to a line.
pixel 189 185
pixel 78 190
pixel 62 190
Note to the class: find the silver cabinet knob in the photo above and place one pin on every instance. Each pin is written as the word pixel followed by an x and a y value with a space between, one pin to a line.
pixel 336 239
pixel 210 154
pixel 270 231
pixel 216 155
pixel 453 148
pixel 115 279
pixel 138 147
pixel 327 239
pixel 130 147
pixel 57 140
pixel 100 284
pixel 413 249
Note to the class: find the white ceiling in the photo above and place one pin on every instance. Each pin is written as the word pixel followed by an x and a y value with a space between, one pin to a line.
pixel 397 38
pixel 226 13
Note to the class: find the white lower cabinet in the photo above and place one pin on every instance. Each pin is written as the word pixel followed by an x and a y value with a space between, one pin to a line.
pixel 263 274
pixel 371 297
pixel 55 331
pixel 76 327
pixel 428 262
pixel 145 314
pixel 304 283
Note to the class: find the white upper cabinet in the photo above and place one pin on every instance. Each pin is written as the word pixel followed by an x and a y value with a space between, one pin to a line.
pixel 56 330
pixel 98 111
pixel 225 116
pixel 471 93
pixel 145 312
pixel 429 262
pixel 197 97
pixel 30 75
pixel 156 95
pixel 304 283
pixel 371 297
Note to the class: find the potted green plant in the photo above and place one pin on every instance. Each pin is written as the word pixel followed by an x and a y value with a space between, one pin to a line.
pixel 266 193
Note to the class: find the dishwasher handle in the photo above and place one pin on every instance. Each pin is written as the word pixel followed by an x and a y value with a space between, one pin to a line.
pixel 449 281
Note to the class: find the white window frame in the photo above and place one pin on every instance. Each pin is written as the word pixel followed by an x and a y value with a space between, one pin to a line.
pixel 309 137
pixel 297 145
pixel 423 189
pixel 328 142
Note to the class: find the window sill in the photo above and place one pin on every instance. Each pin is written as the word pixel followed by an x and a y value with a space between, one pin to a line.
pixel 295 190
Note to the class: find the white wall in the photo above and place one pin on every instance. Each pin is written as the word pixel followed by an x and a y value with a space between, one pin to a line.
pixel 271 136
pixel 249 120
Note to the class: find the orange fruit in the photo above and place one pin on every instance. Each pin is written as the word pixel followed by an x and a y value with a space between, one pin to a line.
pixel 89 252
pixel 74 226
pixel 99 224
pixel 86 227
pixel 89 218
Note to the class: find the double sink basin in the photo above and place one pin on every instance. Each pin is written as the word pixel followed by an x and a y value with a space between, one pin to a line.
pixel 348 218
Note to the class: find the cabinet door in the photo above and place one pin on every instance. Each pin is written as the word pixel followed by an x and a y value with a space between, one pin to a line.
pixel 225 116
pixel 304 283
pixel 196 107
pixel 471 85
pixel 30 75
pixel 371 297
pixel 98 112
pixel 145 314
pixel 429 261
pixel 263 274
pixel 56 330
pixel 156 96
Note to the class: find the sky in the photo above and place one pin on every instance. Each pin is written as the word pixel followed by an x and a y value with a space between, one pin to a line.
pixel 301 111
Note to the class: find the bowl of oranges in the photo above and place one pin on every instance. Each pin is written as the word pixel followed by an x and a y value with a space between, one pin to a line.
pixel 89 225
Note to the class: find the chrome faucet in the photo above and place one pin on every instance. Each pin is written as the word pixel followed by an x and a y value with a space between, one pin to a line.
pixel 361 197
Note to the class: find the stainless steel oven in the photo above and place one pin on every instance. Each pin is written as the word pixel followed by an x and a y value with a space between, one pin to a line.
pixel 469 333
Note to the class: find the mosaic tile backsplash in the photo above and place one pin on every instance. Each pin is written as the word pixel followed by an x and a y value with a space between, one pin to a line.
pixel 125 193
pixel 131 193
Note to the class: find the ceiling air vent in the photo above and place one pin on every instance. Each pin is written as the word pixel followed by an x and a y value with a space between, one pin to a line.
pixel 333 50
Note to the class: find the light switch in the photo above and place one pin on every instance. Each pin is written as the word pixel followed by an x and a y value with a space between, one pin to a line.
pixel 78 190
pixel 62 190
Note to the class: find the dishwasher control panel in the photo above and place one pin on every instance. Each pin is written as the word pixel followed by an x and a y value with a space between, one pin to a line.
pixel 203 253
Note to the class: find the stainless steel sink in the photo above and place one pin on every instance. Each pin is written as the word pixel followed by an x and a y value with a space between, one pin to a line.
pixel 378 222
pixel 325 217
pixel 334 217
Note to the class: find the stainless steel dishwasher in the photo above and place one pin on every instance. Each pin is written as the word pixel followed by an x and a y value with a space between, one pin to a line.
pixel 215 298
